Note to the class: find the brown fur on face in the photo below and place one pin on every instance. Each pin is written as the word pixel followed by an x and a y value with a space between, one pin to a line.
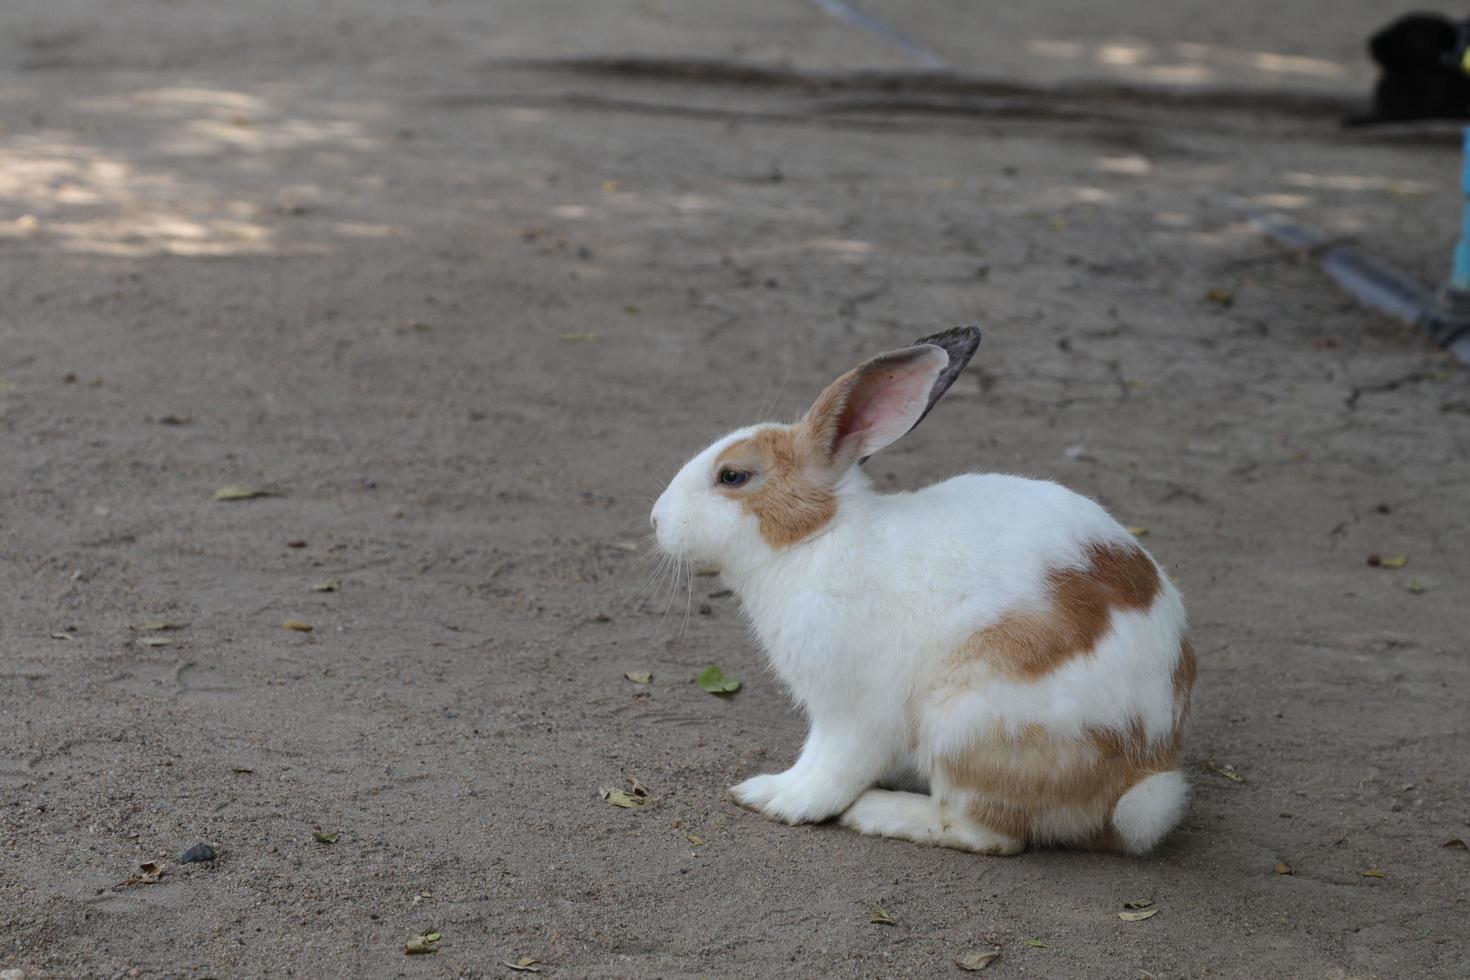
pixel 797 466
pixel 1028 645
pixel 790 499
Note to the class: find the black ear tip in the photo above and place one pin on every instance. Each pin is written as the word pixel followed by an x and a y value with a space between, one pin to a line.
pixel 958 342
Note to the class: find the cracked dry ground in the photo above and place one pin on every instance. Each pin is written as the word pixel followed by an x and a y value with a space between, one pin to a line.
pixel 465 328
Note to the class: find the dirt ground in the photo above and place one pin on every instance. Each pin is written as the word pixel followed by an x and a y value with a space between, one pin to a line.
pixel 461 307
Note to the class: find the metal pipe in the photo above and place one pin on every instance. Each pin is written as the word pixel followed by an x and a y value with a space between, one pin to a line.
pixel 1444 317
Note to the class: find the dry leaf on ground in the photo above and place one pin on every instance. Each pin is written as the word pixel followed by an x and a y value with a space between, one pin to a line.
pixel 1035 944
pixel 525 965
pixel 330 585
pixel 1455 843
pixel 1282 868
pixel 297 625
pixel 1228 771
pixel 1138 915
pixel 625 800
pixel 421 943
pixel 629 800
pixel 322 837
pixel 973 960
pixel 148 873
pixel 882 916
pixel 158 627
pixel 639 676
pixel 242 493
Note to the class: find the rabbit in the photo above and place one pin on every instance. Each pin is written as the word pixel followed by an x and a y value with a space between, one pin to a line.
pixel 987 663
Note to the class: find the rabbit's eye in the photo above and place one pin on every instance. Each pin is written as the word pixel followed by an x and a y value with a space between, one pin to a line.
pixel 732 478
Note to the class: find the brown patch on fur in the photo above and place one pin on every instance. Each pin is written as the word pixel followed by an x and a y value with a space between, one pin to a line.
pixel 1106 839
pixel 1185 670
pixel 1011 782
pixel 790 500
pixel 1001 817
pixel 1028 645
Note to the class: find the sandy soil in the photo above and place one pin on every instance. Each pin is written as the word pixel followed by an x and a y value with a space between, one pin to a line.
pixel 462 317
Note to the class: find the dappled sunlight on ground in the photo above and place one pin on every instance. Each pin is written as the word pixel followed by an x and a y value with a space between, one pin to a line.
pixel 85 200
pixel 842 249
pixel 1058 198
pixel 1132 165
pixel 1360 182
pixel 199 173
pixel 1285 201
pixel 1188 63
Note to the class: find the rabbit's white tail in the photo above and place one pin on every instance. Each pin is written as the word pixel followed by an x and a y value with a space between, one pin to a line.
pixel 1150 809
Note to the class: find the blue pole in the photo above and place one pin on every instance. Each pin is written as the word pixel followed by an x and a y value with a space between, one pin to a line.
pixel 1460 274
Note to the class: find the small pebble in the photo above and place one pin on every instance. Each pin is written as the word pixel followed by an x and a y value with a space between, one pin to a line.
pixel 15 974
pixel 199 852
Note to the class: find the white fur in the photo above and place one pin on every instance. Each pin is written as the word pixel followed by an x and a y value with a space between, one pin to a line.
pixel 1150 809
pixel 922 819
pixel 858 620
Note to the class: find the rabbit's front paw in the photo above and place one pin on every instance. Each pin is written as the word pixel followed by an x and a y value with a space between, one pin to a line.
pixel 757 791
pixel 815 797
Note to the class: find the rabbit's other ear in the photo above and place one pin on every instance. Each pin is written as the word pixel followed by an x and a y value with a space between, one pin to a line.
pixel 870 406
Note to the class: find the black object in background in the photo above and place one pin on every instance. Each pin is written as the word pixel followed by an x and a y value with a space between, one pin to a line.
pixel 1422 57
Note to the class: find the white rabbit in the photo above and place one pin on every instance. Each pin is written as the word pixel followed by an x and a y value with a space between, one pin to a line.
pixel 1001 643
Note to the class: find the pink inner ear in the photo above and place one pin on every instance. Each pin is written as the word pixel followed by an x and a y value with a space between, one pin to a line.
pixel 888 400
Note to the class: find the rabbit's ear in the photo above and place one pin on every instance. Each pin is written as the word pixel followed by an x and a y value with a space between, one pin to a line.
pixel 960 344
pixel 871 405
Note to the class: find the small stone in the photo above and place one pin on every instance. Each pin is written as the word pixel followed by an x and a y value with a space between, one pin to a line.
pixel 199 852
pixel 13 974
